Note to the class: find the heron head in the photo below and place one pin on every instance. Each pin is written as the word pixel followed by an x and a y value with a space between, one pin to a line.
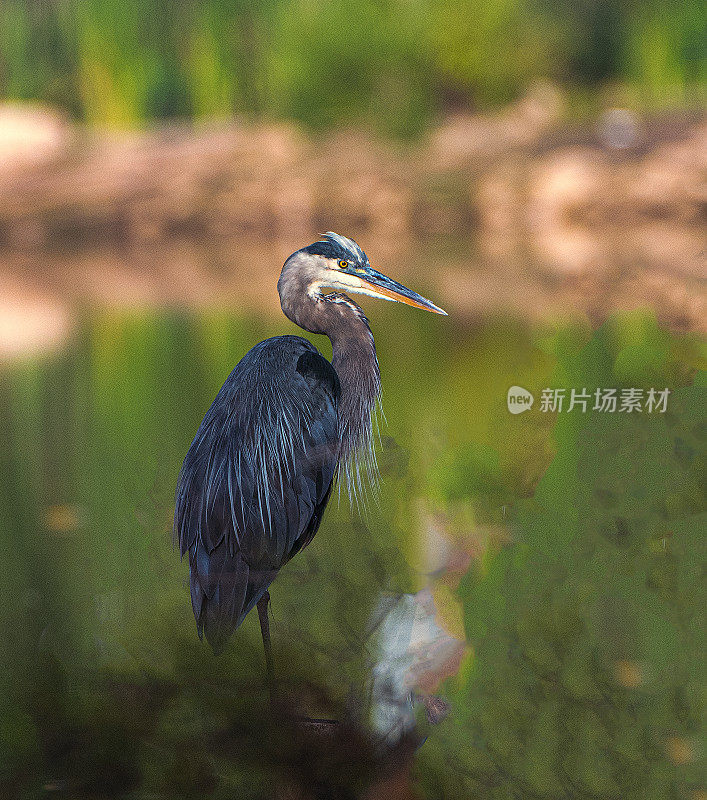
pixel 338 263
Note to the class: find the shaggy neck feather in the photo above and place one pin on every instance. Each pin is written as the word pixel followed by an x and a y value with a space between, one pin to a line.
pixel 355 362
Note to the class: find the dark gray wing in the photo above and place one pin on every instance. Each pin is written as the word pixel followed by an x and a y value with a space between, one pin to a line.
pixel 257 477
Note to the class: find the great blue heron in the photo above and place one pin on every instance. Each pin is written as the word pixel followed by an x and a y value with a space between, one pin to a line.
pixel 256 480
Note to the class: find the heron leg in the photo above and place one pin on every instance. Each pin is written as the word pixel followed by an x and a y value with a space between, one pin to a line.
pixel 263 604
pixel 317 725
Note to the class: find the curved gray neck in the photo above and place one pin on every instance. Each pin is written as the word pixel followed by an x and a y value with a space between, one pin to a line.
pixel 355 362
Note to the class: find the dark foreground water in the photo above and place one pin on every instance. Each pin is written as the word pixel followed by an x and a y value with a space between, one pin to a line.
pixel 581 603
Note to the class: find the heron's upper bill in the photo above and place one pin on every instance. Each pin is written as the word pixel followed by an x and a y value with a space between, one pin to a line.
pixel 388 289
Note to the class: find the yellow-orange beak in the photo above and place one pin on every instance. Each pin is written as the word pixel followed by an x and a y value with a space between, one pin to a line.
pixel 376 284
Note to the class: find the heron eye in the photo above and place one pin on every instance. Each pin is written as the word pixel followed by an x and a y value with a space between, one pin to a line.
pixel 343 264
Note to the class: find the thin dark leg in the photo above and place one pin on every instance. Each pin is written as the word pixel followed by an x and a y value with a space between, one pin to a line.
pixel 263 604
pixel 316 724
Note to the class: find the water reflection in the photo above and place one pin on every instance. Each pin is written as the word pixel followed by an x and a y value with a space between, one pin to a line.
pixel 106 681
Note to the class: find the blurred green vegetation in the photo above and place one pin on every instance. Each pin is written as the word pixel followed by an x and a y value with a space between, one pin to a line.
pixel 589 627
pixel 388 63
pixel 586 628
pixel 105 687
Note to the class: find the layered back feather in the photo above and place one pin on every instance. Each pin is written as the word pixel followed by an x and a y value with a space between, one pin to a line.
pixel 256 479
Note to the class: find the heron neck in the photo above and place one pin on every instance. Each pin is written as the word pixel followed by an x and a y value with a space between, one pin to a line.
pixel 354 359
pixel 353 348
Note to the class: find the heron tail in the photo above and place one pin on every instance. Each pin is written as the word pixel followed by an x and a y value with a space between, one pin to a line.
pixel 223 591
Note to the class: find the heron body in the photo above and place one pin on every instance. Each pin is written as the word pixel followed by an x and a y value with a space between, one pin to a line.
pixel 258 475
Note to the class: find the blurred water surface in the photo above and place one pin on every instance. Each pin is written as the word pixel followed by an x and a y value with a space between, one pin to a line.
pixel 106 690
pixel 93 437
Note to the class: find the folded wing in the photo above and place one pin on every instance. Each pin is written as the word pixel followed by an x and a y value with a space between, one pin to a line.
pixel 256 479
